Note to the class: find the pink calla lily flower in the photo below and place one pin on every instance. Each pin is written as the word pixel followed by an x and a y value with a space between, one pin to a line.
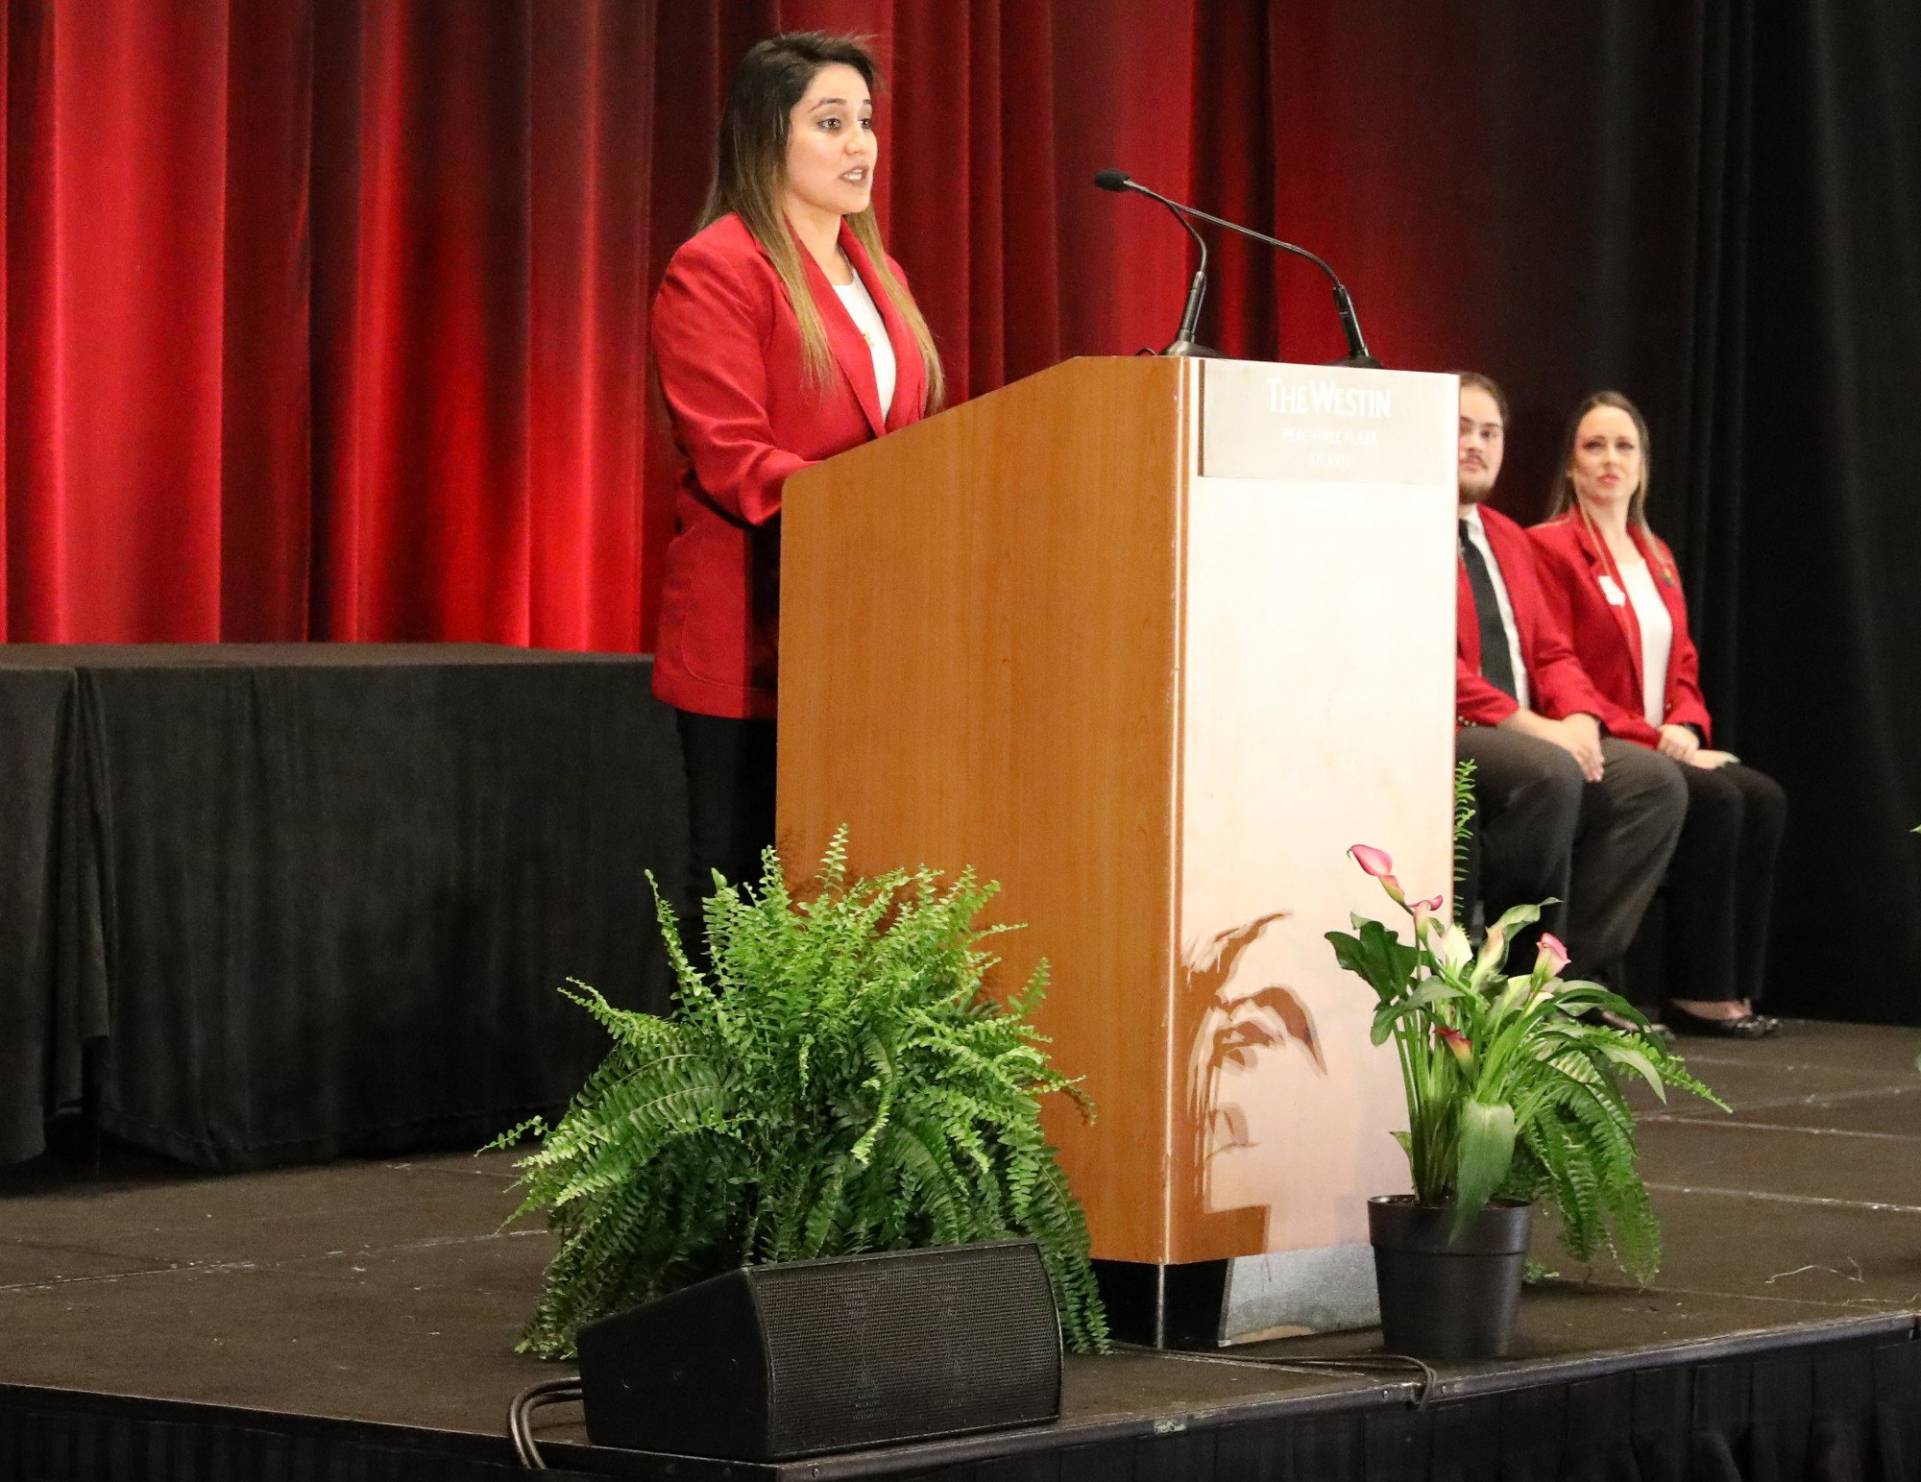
pixel 1458 1044
pixel 1423 912
pixel 1552 958
pixel 1380 865
pixel 1376 862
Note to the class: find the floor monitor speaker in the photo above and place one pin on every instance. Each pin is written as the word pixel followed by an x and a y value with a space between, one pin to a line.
pixel 770 1362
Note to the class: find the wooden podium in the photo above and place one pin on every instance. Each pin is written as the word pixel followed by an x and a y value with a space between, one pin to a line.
pixel 1151 642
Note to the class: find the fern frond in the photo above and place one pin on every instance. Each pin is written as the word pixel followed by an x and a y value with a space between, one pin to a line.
pixel 1463 832
pixel 836 1080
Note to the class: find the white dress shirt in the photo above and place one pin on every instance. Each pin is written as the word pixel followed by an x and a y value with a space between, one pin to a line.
pixel 1657 638
pixel 873 329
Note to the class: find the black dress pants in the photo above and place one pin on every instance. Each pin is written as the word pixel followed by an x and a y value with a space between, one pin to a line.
pixel 730 797
pixel 1599 848
pixel 1720 890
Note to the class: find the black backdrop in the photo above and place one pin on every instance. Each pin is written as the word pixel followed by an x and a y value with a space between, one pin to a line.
pixel 1714 208
pixel 1814 586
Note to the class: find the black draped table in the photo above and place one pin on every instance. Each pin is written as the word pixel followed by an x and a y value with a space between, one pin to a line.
pixel 273 903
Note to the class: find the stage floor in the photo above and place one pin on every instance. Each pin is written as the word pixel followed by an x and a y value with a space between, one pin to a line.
pixel 386 1293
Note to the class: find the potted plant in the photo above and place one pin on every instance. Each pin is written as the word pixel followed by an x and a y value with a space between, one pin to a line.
pixel 1515 1094
pixel 837 1082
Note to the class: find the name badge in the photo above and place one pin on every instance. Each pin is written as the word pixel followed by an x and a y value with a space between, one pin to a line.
pixel 1610 590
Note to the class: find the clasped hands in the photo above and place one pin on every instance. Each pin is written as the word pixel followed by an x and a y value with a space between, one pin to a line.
pixel 1680 743
pixel 1580 736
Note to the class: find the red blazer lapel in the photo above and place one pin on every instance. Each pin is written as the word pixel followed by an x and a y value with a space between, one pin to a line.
pixel 1667 581
pixel 844 338
pixel 910 378
pixel 1623 611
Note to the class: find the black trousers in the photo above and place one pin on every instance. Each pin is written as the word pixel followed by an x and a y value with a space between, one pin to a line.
pixel 1720 890
pixel 730 797
pixel 1599 848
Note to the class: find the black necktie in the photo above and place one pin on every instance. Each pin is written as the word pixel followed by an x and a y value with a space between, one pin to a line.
pixel 1496 667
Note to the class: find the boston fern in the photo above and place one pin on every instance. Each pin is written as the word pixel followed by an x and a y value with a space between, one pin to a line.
pixel 1463 834
pixel 1515 1084
pixel 837 1082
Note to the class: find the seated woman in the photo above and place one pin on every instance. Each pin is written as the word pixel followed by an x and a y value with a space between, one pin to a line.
pixel 1615 587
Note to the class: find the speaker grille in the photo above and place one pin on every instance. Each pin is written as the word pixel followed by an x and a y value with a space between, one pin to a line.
pixel 917 1343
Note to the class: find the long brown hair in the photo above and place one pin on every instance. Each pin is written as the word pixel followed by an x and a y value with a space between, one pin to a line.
pixel 771 79
pixel 1561 496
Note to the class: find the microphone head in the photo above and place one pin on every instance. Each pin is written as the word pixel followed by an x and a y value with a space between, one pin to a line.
pixel 1112 179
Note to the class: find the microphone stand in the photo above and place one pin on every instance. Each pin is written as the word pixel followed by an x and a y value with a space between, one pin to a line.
pixel 1357 351
pixel 1184 342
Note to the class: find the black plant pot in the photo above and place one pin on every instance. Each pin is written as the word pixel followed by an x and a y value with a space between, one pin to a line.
pixel 1441 1297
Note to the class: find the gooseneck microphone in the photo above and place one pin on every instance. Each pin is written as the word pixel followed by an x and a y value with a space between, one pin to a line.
pixel 1183 343
pixel 1357 353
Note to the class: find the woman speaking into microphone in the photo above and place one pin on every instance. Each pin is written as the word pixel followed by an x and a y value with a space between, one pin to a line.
pixel 782 334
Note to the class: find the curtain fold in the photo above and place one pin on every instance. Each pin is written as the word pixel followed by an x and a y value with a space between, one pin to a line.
pixel 327 319
pixel 1823 605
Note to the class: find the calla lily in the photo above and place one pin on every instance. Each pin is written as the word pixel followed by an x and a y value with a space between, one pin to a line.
pixel 1441 1003
pixel 1551 959
pixel 1493 951
pixel 1454 950
pixel 1378 864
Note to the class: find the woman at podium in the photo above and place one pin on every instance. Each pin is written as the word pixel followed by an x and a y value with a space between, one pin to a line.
pixel 1619 596
pixel 783 334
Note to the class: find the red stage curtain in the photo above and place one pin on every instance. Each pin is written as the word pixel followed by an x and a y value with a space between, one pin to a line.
pixel 327 320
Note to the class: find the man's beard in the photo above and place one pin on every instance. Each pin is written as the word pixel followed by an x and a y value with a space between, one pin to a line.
pixel 1476 492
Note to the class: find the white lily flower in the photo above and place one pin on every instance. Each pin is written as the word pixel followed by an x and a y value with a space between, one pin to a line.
pixel 1454 951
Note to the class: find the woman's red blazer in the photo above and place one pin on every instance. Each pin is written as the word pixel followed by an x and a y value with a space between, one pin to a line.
pixel 727 349
pixel 1607 635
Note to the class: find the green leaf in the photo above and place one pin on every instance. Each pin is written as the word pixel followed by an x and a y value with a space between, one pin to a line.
pixel 1391 1012
pixel 1515 916
pixel 1485 1155
pixel 1625 1054
pixel 1377 956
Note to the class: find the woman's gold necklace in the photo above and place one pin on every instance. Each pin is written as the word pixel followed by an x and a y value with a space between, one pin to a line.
pixel 866 334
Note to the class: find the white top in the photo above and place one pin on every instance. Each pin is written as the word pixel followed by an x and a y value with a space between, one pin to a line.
pixel 1657 638
pixel 873 329
pixel 1477 532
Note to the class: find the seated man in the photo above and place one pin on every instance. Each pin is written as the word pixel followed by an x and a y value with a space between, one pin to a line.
pixel 1562 810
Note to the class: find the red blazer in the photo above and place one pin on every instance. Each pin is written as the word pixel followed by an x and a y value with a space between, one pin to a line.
pixel 728 351
pixel 1557 685
pixel 1607 636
